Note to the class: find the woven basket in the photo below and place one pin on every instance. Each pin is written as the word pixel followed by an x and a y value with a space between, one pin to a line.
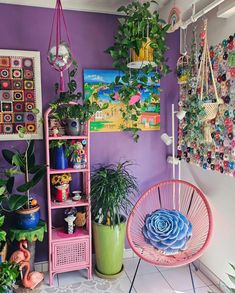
pixel 183 63
pixel 205 69
pixel 211 110
pixel 3 253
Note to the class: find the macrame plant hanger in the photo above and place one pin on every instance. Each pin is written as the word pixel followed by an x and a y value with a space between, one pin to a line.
pixel 59 50
pixel 205 71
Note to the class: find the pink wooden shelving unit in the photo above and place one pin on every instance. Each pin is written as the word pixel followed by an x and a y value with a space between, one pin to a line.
pixel 68 252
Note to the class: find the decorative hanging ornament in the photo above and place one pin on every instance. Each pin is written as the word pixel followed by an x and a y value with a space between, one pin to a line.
pixel 59 55
pixel 174 19
pixel 183 69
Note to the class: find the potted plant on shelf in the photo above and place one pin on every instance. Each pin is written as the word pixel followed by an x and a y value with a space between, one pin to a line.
pixel 77 154
pixel 69 111
pixel 111 189
pixel 141 34
pixel 24 163
pixel 61 185
pixel 8 275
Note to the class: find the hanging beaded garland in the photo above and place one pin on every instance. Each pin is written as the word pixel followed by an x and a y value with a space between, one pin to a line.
pixel 219 153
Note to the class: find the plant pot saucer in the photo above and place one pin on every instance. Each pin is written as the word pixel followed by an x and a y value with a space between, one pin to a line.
pixel 110 277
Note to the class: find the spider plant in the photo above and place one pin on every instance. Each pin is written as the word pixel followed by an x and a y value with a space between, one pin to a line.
pixel 111 188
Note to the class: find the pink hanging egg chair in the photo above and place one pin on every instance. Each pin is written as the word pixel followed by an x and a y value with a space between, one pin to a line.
pixel 171 195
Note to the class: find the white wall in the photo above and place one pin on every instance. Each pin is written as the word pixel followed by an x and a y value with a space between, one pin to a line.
pixel 220 189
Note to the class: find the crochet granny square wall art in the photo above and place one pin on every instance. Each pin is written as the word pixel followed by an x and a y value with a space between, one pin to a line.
pixel 20 94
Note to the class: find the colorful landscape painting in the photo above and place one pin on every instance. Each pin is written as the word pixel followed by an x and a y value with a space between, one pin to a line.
pixel 110 119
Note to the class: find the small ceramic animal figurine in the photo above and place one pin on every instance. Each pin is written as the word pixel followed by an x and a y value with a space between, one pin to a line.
pixel 22 254
pixel 70 226
pixel 30 280
pixel 80 219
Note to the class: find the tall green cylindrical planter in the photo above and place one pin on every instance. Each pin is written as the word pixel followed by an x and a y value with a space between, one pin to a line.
pixel 109 246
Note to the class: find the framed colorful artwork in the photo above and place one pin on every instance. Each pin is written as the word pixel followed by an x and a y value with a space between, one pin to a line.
pixel 110 119
pixel 20 94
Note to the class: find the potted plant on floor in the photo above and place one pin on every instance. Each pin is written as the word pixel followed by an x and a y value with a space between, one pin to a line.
pixel 8 275
pixel 141 34
pixel 8 203
pixel 24 163
pixel 111 189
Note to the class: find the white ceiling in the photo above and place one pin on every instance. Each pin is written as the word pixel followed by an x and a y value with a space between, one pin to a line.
pixel 102 6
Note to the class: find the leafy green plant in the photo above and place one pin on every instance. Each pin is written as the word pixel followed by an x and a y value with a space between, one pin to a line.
pixel 111 187
pixel 232 279
pixel 25 163
pixel 195 113
pixel 2 232
pixel 138 26
pixel 83 111
pixel 8 275
pixel 8 202
pixel 57 143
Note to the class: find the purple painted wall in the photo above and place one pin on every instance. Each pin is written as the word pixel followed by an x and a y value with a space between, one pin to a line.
pixel 27 28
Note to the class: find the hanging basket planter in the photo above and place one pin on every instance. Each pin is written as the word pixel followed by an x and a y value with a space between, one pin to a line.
pixel 59 53
pixel 183 69
pixel 210 101
pixel 145 56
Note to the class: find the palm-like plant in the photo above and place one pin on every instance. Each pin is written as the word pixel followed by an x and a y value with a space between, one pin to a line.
pixel 232 279
pixel 111 188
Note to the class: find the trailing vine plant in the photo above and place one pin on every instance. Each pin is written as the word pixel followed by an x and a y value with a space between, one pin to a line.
pixel 138 27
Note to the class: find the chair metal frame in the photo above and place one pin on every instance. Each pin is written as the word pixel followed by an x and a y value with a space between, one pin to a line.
pixel 184 197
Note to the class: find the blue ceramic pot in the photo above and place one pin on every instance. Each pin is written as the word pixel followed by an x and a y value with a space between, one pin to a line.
pixel 27 219
pixel 59 159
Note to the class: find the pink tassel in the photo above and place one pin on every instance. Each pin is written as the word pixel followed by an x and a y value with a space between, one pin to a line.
pixel 61 81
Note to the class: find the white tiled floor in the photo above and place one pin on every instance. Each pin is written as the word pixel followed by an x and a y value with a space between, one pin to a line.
pixel 149 279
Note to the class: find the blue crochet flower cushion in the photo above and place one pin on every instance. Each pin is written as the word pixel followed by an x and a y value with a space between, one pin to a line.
pixel 167 231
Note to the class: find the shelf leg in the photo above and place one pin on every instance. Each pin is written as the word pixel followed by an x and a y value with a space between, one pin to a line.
pixel 89 273
pixel 51 279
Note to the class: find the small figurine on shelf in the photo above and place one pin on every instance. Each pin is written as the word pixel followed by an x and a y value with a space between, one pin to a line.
pixel 61 184
pixel 55 131
pixel 80 218
pixel 76 195
pixel 77 155
pixel 69 220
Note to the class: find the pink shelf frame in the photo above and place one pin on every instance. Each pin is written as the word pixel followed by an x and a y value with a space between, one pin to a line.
pixel 68 137
pixel 69 204
pixel 80 235
pixel 58 234
pixel 68 170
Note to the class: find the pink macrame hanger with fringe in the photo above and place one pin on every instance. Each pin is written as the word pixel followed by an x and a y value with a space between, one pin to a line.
pixel 59 56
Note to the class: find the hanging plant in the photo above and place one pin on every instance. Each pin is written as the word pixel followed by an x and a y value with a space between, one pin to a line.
pixel 194 119
pixel 140 38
